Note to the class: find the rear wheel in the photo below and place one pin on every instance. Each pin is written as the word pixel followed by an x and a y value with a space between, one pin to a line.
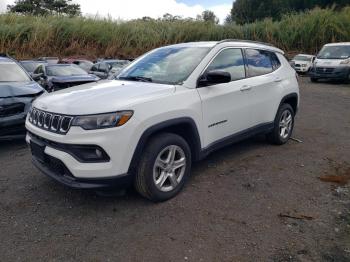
pixel 163 168
pixel 283 125
pixel 314 80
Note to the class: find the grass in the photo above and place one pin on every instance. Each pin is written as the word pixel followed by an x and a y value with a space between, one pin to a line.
pixel 28 36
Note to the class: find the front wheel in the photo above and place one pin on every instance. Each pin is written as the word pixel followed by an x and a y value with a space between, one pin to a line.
pixel 314 80
pixel 164 167
pixel 283 125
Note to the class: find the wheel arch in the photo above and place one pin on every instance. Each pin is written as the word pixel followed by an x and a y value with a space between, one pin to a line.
pixel 184 126
pixel 291 99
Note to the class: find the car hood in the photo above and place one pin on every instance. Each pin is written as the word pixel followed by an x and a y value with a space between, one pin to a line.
pixel 328 62
pixel 71 79
pixel 15 89
pixel 104 96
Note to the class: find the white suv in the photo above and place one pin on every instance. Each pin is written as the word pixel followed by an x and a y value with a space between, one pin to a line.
pixel 172 106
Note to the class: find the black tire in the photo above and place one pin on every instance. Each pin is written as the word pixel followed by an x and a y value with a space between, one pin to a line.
pixel 314 80
pixel 274 136
pixel 144 182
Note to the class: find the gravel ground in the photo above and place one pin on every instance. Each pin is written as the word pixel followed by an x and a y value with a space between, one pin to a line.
pixel 229 210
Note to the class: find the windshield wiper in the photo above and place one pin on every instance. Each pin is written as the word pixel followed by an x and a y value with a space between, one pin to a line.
pixel 136 78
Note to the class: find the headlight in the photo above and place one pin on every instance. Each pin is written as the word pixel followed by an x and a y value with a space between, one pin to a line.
pixel 101 121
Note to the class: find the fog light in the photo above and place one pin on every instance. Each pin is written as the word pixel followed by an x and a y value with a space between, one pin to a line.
pixel 89 153
pixel 99 153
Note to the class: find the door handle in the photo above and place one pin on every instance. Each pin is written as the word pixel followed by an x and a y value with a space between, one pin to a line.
pixel 278 79
pixel 245 88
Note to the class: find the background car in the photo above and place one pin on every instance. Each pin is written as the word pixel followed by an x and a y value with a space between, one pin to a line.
pixel 17 92
pixel 82 63
pixel 31 65
pixel 106 68
pixel 332 63
pixel 49 60
pixel 302 63
pixel 60 76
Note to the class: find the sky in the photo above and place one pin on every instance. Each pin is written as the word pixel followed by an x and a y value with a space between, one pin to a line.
pixel 131 9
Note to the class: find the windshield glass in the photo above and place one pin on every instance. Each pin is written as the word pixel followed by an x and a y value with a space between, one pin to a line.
pixel 30 66
pixel 334 52
pixel 168 65
pixel 64 70
pixel 11 72
pixel 302 58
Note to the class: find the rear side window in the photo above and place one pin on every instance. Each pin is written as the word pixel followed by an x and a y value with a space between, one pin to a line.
pixel 258 62
pixel 275 61
pixel 230 61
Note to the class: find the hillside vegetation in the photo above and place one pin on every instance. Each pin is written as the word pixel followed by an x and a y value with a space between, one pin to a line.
pixel 29 36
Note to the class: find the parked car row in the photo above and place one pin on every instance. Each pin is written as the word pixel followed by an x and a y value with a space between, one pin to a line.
pixel 331 63
pixel 54 74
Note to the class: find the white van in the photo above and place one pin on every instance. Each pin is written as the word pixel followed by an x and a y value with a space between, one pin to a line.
pixel 332 62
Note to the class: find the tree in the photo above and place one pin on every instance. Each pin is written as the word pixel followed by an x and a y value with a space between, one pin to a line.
pixel 45 7
pixel 209 16
pixel 247 11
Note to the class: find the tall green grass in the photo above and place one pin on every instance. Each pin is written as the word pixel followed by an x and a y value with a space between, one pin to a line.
pixel 28 36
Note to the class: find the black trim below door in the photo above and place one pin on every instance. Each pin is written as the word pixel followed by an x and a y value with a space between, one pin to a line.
pixel 259 129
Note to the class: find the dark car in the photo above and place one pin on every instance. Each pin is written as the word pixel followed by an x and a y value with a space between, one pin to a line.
pixel 31 65
pixel 17 92
pixel 60 76
pixel 106 68
pixel 82 63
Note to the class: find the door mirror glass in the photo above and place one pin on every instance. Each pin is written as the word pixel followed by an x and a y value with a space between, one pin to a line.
pixel 214 78
pixel 38 76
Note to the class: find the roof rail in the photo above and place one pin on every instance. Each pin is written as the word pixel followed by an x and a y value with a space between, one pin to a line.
pixel 245 41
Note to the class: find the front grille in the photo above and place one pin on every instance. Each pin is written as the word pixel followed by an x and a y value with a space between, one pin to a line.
pixel 11 110
pixel 324 70
pixel 49 121
pixel 297 65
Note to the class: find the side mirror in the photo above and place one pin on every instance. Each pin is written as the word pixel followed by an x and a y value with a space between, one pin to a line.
pixel 37 77
pixel 214 78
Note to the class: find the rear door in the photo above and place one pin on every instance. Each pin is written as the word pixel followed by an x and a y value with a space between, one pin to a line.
pixel 226 107
pixel 266 84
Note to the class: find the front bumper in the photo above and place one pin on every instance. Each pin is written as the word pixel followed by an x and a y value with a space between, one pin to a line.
pixel 335 73
pixel 57 170
pixel 301 69
pixel 118 143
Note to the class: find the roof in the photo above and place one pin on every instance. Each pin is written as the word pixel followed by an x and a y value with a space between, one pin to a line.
pixel 231 42
pixel 6 59
pixel 305 55
pixel 338 44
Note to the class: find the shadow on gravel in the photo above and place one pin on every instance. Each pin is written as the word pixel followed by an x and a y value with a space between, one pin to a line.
pixel 7 145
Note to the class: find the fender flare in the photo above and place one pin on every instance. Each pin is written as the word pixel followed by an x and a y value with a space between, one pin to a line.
pixel 159 127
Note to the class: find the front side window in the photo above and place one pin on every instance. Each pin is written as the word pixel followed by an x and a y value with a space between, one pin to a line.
pixel 167 65
pixel 11 72
pixel 258 62
pixel 230 61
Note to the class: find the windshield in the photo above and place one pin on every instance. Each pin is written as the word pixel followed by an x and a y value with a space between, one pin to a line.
pixel 168 65
pixel 30 66
pixel 334 52
pixel 302 58
pixel 11 72
pixel 64 70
